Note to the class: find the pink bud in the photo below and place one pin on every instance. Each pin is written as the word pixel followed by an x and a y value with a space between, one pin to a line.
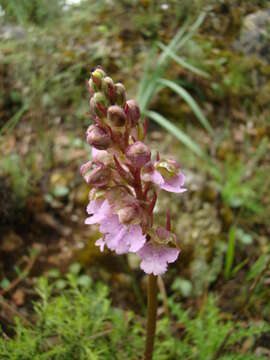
pixel 120 94
pixel 98 138
pixel 138 154
pixel 96 174
pixel 116 116
pixel 133 112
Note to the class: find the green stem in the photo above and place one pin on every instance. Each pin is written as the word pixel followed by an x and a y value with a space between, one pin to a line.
pixel 151 316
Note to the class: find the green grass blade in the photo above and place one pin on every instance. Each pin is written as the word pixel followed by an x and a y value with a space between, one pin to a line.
pixel 182 62
pixel 192 30
pixel 12 122
pixel 190 101
pixel 173 44
pixel 179 134
pixel 230 253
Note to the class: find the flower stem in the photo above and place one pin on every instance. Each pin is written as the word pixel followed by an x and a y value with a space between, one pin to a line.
pixel 151 316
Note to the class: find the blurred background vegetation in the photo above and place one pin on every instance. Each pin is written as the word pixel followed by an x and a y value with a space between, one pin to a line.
pixel 200 71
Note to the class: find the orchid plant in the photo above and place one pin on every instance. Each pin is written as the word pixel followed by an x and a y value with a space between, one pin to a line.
pixel 124 181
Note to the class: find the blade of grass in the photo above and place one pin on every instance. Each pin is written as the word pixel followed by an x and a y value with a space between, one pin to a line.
pixel 179 134
pixel 230 253
pixel 12 122
pixel 190 101
pixel 191 30
pixel 173 44
pixel 182 62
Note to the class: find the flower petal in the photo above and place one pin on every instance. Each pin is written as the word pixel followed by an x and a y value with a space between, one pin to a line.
pixel 174 184
pixel 110 225
pixel 94 206
pixel 103 212
pixel 101 243
pixel 135 238
pixel 155 258
pixel 153 176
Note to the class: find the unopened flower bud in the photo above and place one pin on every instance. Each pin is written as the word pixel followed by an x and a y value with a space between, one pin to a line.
pixel 108 88
pixel 120 96
pixel 99 104
pixel 92 87
pixel 96 174
pixel 116 116
pixel 98 138
pixel 133 112
pixel 97 76
pixel 138 154
pixel 104 157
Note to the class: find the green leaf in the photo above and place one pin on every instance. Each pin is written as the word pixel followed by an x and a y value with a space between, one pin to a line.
pixel 179 134
pixel 4 283
pixel 182 285
pixel 75 268
pixel 190 101
pixel 60 191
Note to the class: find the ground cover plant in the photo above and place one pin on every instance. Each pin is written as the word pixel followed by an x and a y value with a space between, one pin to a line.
pixel 81 323
pixel 200 74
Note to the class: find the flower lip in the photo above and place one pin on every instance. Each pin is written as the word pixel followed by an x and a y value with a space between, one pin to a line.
pixel 155 258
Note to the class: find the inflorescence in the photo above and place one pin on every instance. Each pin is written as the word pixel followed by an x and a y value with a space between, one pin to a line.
pixel 124 178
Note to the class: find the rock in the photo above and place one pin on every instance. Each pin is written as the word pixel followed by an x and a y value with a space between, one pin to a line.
pixel 8 32
pixel 255 35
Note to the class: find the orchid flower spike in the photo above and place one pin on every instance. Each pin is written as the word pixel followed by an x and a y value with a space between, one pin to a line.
pixel 122 174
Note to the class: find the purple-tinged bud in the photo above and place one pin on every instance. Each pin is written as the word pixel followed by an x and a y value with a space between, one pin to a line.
pixel 104 157
pixel 97 76
pixel 133 112
pixel 120 96
pixel 99 104
pixel 138 154
pixel 96 174
pixel 116 116
pixel 98 138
